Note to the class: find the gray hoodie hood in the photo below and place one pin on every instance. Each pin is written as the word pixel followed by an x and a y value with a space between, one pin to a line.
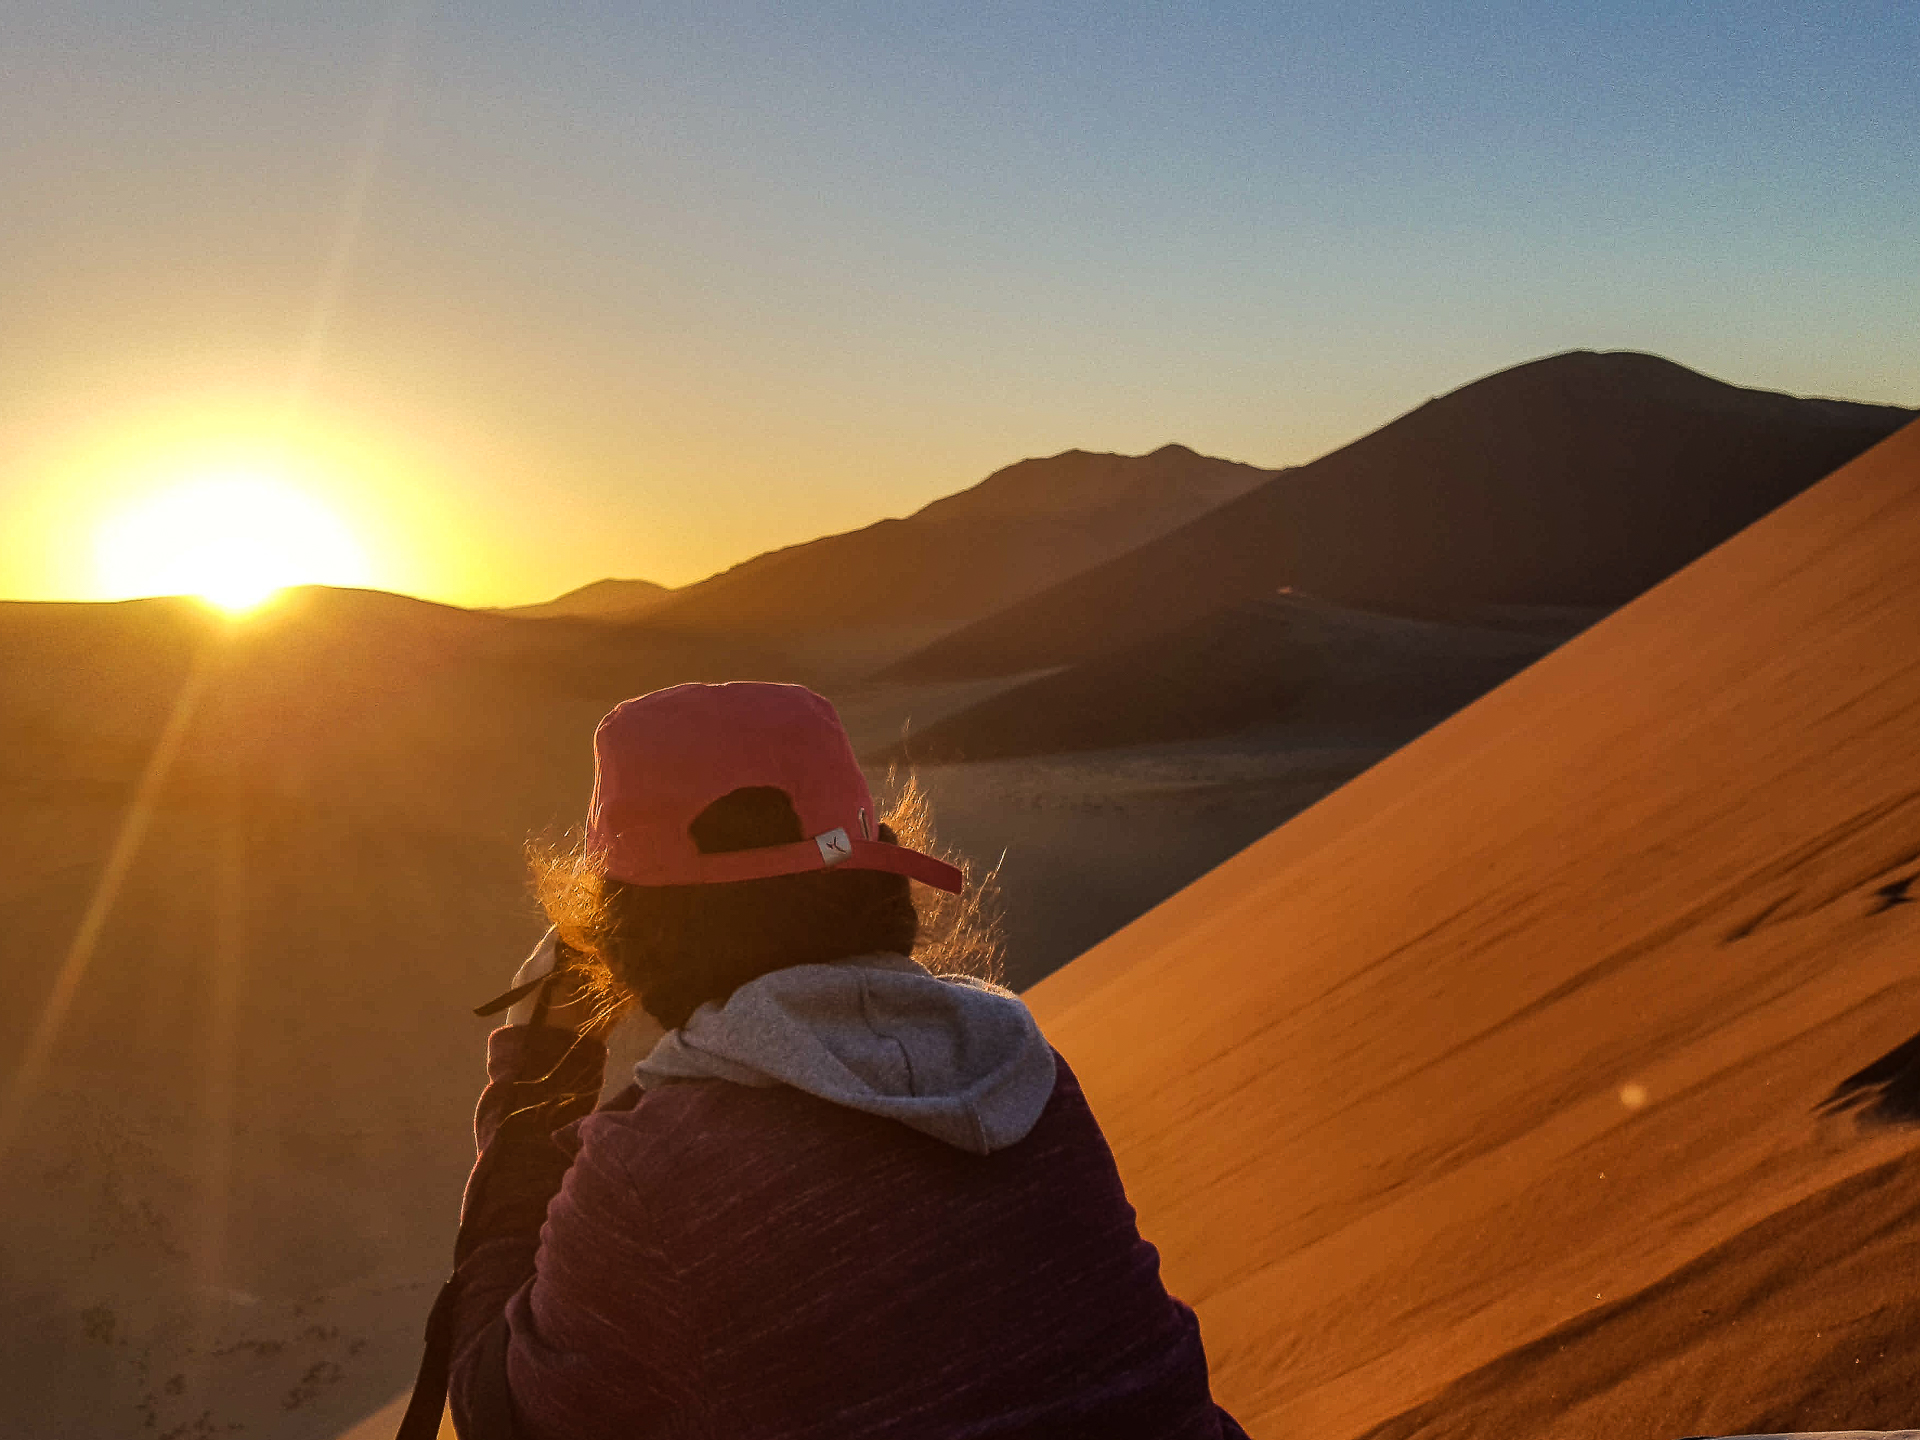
pixel 949 1055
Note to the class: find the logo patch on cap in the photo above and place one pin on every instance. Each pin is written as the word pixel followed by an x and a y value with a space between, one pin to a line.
pixel 835 846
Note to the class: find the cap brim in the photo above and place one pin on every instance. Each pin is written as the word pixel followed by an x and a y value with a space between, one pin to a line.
pixel 768 861
pixel 898 860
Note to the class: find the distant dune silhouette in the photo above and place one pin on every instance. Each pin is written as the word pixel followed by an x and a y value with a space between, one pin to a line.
pixel 1581 479
pixel 862 598
pixel 602 600
pixel 1483 1099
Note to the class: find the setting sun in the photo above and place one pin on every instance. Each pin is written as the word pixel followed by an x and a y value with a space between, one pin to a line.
pixel 233 539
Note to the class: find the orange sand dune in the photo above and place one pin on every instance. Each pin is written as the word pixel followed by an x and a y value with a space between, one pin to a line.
pixel 1480 1100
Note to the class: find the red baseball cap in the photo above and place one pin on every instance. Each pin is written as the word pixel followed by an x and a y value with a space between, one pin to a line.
pixel 661 759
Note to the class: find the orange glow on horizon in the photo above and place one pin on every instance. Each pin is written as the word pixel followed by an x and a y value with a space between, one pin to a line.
pixel 233 538
pixel 224 498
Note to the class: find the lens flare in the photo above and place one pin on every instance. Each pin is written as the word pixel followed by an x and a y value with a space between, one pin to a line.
pixel 233 539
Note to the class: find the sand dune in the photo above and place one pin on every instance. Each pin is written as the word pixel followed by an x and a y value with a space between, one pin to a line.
pixel 1487 1097
pixel 1576 480
pixel 602 600
pixel 1286 657
pixel 860 599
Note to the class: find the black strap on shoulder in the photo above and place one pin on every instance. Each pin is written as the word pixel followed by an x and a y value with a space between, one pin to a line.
pixel 494 1411
pixel 489 1403
pixel 489 1407
pixel 422 1420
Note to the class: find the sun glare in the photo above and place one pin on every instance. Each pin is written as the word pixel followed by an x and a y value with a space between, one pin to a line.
pixel 233 539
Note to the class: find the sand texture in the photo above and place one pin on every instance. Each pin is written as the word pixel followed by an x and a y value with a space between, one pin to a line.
pixel 1503 1092
pixel 235 1116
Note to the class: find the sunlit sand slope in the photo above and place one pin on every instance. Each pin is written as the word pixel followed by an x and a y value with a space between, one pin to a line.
pixel 1485 1098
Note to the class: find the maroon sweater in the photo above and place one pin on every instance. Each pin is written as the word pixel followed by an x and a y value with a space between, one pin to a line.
pixel 741 1263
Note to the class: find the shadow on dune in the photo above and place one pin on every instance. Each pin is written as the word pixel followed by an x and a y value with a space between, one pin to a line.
pixel 1286 658
pixel 1797 1269
pixel 1887 1092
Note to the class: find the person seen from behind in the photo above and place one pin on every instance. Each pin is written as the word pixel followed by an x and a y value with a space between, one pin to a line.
pixel 845 1198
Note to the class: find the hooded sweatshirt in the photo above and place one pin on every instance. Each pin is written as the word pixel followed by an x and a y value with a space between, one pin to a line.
pixel 854 1201
pixel 950 1056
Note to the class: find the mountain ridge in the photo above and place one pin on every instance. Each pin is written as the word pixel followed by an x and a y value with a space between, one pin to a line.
pixel 1446 503
pixel 865 596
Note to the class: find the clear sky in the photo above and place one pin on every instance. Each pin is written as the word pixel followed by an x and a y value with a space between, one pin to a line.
pixel 525 295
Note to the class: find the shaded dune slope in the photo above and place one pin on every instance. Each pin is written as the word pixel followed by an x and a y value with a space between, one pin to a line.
pixel 881 590
pixel 1488 1096
pixel 1580 479
pixel 1285 657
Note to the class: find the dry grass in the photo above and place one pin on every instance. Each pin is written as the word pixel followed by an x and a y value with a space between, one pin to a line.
pixel 960 934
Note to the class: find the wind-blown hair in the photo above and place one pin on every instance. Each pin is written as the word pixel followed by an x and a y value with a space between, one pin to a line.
pixel 673 948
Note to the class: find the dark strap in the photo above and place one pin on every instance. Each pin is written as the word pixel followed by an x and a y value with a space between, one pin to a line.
pixel 520 992
pixel 422 1420
pixel 489 1407
pixel 429 1400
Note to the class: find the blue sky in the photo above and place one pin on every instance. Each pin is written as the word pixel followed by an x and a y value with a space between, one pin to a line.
pixel 557 292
